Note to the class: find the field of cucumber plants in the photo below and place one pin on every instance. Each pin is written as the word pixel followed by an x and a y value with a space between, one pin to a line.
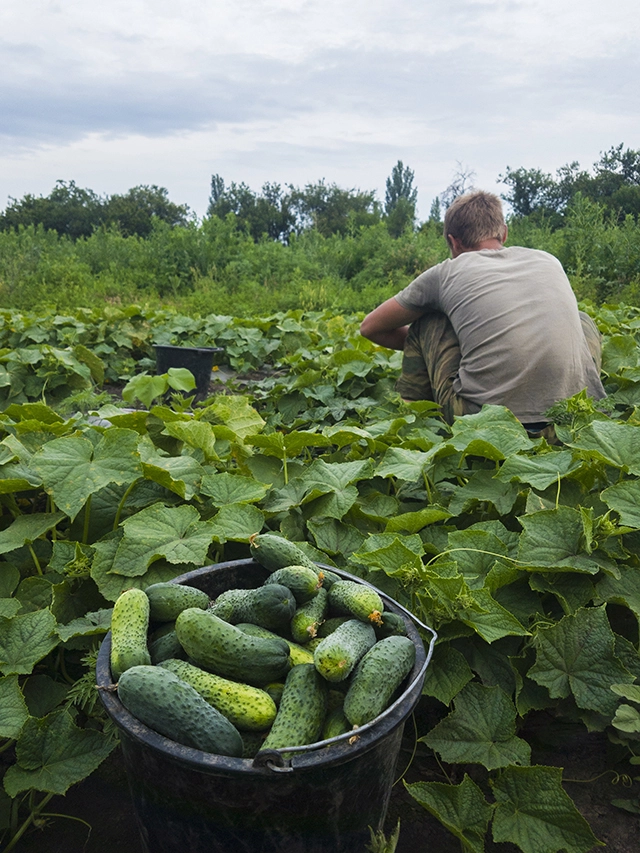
pixel 524 557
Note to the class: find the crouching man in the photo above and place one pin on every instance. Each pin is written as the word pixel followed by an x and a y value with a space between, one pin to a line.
pixel 490 325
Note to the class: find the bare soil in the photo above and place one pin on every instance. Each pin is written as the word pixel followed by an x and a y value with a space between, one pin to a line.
pixel 100 817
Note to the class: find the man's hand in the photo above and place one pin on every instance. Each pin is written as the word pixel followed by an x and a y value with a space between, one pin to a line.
pixel 388 324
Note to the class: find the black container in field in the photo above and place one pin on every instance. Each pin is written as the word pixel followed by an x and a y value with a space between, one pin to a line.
pixel 199 360
pixel 319 799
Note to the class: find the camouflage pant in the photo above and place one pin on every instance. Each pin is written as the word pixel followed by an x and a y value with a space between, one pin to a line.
pixel 432 358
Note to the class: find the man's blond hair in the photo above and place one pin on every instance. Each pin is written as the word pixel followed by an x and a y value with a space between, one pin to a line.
pixel 474 217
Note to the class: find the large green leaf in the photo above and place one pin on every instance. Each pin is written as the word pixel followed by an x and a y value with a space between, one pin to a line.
pixel 175 533
pixel 72 469
pixel 539 471
pixel 225 488
pixel 13 708
pixel 53 754
pixel 618 444
pixel 27 528
pixel 447 673
pixel 483 487
pixel 25 640
pixel 624 498
pixel 480 730
pixel 576 657
pixel 556 539
pixel 179 474
pixel 533 811
pixel 461 808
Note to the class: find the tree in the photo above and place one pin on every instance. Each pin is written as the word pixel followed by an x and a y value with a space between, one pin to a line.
pixel 332 210
pixel 68 209
pixel 400 199
pixel 135 211
pixel 269 214
pixel 462 182
pixel 530 191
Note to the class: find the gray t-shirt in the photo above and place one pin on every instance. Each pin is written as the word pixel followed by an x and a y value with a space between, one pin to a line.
pixel 516 317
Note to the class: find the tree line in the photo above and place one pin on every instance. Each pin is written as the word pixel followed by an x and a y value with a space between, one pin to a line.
pixel 279 212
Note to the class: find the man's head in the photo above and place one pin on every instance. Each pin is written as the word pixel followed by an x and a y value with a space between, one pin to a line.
pixel 474 218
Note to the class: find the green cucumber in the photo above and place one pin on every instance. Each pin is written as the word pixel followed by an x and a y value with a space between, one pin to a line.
pixel 176 710
pixel 330 625
pixel 248 708
pixel 274 552
pixel 302 709
pixel 164 644
pixel 336 656
pixel 377 677
pixel 167 599
pixel 222 648
pixel 269 606
pixel 309 617
pixel 129 627
pixel 392 625
pixel 335 724
pixel 297 653
pixel 356 599
pixel 303 582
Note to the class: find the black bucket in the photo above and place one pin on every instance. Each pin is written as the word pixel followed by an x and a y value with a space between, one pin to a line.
pixel 199 360
pixel 321 800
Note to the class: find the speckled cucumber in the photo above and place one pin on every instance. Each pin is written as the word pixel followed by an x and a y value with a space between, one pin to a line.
pixel 222 648
pixel 247 707
pixel 164 644
pixel 336 656
pixel 303 582
pixel 297 653
pixel 391 625
pixel 309 617
pixel 302 709
pixel 274 552
pixel 356 599
pixel 335 724
pixel 330 625
pixel 269 606
pixel 175 709
pixel 129 627
pixel 377 677
pixel 167 599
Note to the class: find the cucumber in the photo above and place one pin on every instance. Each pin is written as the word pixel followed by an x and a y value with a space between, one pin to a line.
pixel 302 709
pixel 297 653
pixel 164 644
pixel 251 743
pixel 335 724
pixel 392 625
pixel 274 552
pixel 248 708
pixel 274 689
pixel 308 617
pixel 226 604
pixel 303 582
pixel 356 599
pixel 269 606
pixel 176 710
pixel 167 599
pixel 377 677
pixel 222 648
pixel 336 656
pixel 129 627
pixel 330 625
pixel 328 578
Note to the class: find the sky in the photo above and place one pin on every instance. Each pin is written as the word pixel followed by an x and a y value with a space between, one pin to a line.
pixel 116 93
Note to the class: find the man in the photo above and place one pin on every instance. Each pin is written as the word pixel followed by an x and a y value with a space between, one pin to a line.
pixel 491 325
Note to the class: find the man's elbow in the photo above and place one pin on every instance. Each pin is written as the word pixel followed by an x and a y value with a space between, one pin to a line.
pixel 366 327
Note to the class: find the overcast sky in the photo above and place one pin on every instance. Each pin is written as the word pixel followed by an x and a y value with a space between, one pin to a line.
pixel 116 93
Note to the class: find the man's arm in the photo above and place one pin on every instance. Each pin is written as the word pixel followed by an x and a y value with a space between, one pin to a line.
pixel 388 324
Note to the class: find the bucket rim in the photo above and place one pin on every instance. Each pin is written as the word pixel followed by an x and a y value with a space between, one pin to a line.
pixel 344 747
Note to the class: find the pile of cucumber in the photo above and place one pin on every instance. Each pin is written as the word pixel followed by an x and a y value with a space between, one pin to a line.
pixel 305 657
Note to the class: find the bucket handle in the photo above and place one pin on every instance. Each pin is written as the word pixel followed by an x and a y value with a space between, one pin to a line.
pixel 282 764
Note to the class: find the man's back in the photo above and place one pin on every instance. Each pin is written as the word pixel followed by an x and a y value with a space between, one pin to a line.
pixel 516 318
